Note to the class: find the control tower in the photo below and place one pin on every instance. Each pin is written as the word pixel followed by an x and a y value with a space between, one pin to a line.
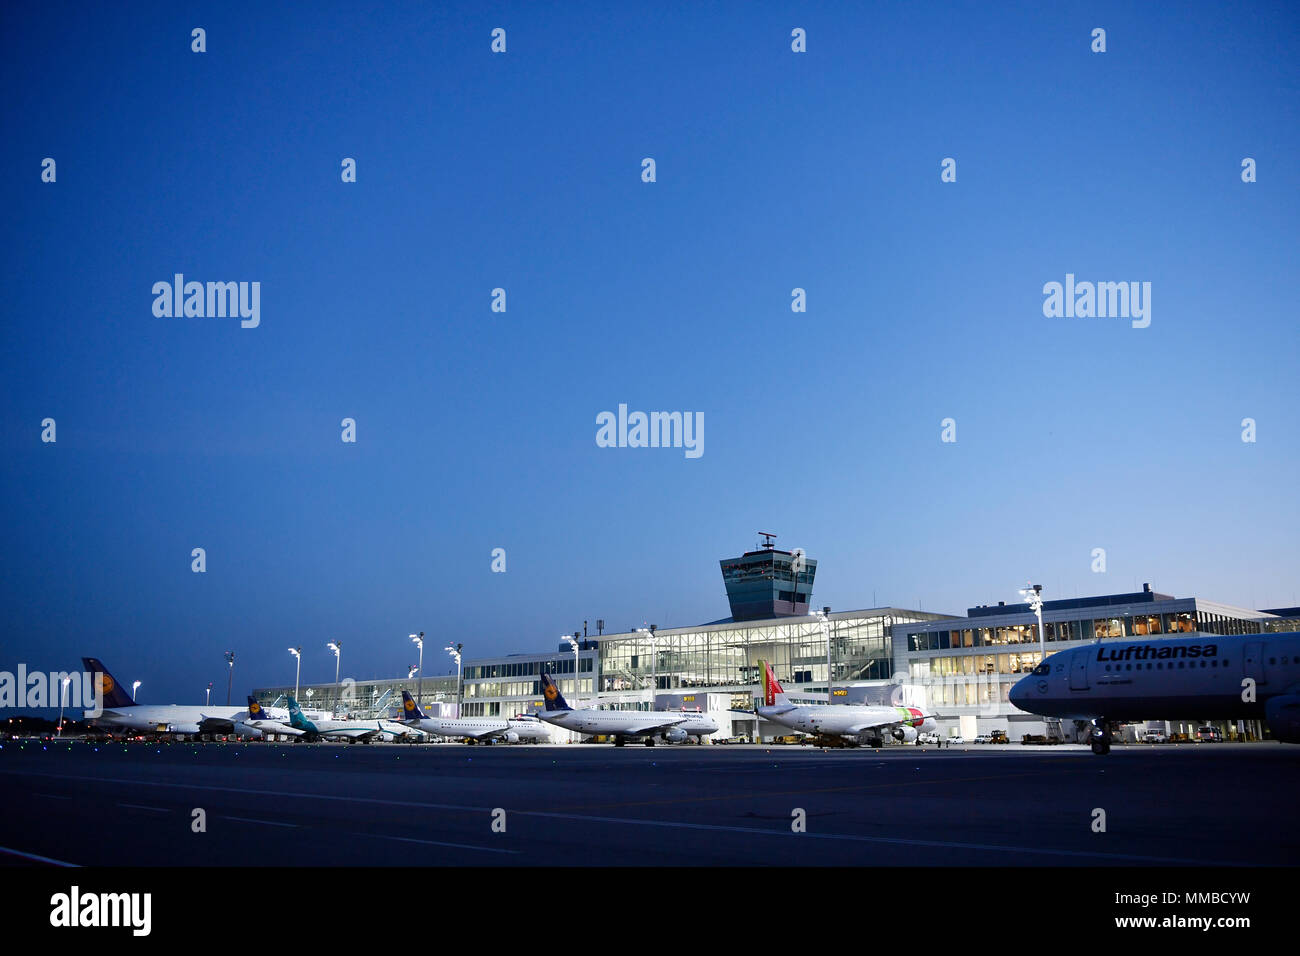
pixel 768 582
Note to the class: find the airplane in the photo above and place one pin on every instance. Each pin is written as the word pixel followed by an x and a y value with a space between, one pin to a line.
pixel 267 723
pixel 486 729
pixel 123 714
pixel 841 724
pixel 1109 682
pixel 672 726
pixel 352 731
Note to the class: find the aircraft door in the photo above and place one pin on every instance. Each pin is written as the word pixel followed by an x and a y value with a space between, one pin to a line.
pixel 1252 663
pixel 1079 668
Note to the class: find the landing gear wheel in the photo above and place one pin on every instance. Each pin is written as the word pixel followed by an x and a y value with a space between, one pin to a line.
pixel 649 741
pixel 1100 737
pixel 619 741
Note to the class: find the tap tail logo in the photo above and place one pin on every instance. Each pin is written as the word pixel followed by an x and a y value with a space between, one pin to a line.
pixel 773 692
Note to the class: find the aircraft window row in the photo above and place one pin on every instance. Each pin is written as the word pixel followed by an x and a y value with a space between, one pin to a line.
pixel 1160 665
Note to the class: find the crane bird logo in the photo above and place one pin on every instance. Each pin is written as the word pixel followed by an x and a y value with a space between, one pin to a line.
pixel 106 684
pixel 409 705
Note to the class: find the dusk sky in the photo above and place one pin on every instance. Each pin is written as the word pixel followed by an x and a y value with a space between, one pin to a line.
pixel 522 170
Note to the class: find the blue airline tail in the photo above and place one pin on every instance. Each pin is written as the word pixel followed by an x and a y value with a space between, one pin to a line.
pixel 410 710
pixel 551 693
pixel 115 695
pixel 255 711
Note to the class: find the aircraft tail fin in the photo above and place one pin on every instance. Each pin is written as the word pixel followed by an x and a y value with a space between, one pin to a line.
pixel 410 709
pixel 296 719
pixel 551 694
pixel 773 692
pixel 114 694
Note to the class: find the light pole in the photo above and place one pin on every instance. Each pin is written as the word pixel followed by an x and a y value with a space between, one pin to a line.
pixel 1033 593
pixel 135 687
pixel 208 700
pixel 573 642
pixel 337 648
pixel 824 615
pixel 455 652
pixel 296 652
pixel 230 677
pixel 418 640
pixel 63 693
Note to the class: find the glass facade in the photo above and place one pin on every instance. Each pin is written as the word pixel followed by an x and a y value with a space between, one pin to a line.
pixel 727 656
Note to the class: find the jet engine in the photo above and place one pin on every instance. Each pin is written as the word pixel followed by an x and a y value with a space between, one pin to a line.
pixel 1283 716
pixel 510 737
pixel 675 735
pixel 178 728
pixel 243 730
pixel 905 733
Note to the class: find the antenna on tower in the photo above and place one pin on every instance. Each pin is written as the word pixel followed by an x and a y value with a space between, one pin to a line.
pixel 767 544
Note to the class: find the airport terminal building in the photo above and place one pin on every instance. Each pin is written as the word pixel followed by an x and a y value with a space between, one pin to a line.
pixel 959 668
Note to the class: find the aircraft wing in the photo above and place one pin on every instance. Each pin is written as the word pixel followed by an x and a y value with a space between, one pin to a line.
pixel 874 725
pixel 645 730
pixel 215 725
pixel 360 733
pixel 489 734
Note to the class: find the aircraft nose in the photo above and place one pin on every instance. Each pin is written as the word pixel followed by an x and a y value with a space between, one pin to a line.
pixel 1018 693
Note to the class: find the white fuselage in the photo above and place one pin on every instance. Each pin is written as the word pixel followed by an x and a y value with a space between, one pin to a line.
pixel 481 727
pixel 631 723
pixel 842 719
pixel 165 718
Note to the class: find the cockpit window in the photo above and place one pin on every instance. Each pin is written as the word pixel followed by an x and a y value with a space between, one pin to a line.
pixel 1042 670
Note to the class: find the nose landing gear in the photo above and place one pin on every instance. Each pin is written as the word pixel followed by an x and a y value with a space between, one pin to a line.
pixel 1100 736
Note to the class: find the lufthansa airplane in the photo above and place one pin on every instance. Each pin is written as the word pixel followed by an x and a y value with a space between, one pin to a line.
pixel 672 726
pixel 122 714
pixel 1251 676
pixel 512 730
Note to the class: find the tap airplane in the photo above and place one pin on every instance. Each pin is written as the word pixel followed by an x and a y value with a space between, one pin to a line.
pixel 672 726
pixel 841 724
pixel 1114 681
pixel 486 729
pixel 122 714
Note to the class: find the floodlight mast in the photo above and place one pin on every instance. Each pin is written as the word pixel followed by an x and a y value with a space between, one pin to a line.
pixel 1033 594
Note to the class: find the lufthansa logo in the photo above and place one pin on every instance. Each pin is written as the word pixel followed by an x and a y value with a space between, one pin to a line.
pixel 106 683
pixel 1042 687
pixel 549 692
pixel 254 708
pixel 410 705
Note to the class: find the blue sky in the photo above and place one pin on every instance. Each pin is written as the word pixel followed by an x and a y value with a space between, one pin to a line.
pixel 476 430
